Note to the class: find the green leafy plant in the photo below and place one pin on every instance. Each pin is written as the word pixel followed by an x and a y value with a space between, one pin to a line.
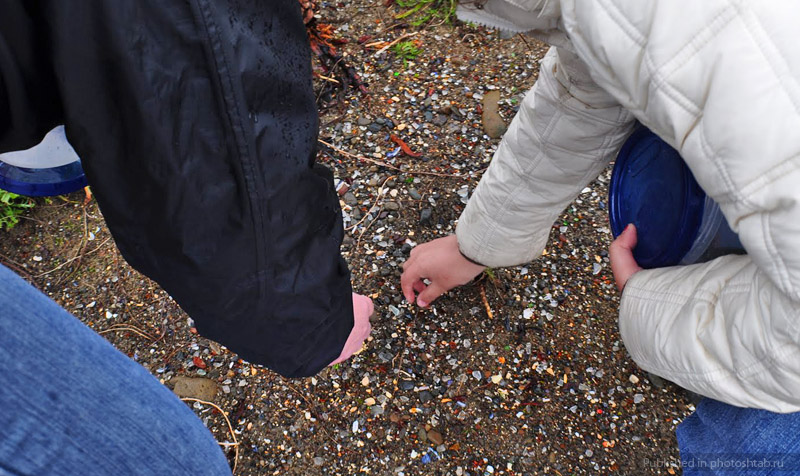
pixel 11 207
pixel 406 50
pixel 421 12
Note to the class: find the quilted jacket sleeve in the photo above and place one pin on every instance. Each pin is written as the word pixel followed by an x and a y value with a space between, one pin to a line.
pixel 720 85
pixel 197 127
pixel 565 133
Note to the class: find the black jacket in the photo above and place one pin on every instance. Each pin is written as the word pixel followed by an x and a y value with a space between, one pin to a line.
pixel 196 124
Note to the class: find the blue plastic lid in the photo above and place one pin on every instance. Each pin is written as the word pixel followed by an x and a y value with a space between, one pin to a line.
pixel 42 182
pixel 652 188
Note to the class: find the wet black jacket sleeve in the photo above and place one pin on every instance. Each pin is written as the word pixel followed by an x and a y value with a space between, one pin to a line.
pixel 196 124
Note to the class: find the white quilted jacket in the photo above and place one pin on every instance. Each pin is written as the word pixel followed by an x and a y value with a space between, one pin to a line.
pixel 716 79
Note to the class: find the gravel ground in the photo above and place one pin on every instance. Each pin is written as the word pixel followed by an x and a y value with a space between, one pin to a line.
pixel 520 372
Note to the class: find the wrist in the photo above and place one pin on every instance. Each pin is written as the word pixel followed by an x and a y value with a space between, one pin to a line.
pixel 470 259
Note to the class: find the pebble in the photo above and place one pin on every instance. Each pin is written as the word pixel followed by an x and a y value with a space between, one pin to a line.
pixel 633 379
pixel 406 384
pixel 319 461
pixel 493 124
pixel 425 216
pixel 596 268
pixel 350 199
pixel 369 401
pixel 435 437
pixel 477 374
pixel 392 206
pixel 414 194
pixel 638 398
pixel 425 396
pixel 193 387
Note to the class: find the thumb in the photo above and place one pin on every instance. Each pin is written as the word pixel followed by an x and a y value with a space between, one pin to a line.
pixel 623 264
pixel 429 295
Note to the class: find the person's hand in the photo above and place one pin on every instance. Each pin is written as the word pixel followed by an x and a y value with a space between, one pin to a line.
pixel 442 264
pixel 362 310
pixel 623 264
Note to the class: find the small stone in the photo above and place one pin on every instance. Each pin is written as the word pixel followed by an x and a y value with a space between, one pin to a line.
pixel 369 401
pixel 350 199
pixel 391 206
pixel 496 379
pixel 633 379
pixel 374 127
pixel 376 410
pixel 414 194
pixel 493 124
pixel 435 437
pixel 425 216
pixel 425 396
pixel 394 417
pixel 200 388
pixel 477 374
pixel 657 381
pixel 319 461
pixel 589 453
pixel 638 398
pixel 406 384
pixel 363 121
pixel 365 380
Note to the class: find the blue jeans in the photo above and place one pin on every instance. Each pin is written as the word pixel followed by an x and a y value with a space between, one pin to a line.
pixel 71 404
pixel 722 439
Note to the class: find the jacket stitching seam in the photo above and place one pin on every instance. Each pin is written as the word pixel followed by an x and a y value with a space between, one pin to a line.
pixel 491 232
pixel 676 298
pixel 773 251
pixel 760 41
pixel 741 373
pixel 721 20
pixel 623 23
pixel 241 147
pixel 776 172
pixel 662 84
pixel 723 172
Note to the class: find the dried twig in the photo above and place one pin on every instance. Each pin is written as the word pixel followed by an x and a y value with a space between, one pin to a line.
pixel 486 302
pixel 358 157
pixel 394 42
pixel 398 359
pixel 326 78
pixel 377 200
pixel 128 328
pixel 235 443
pixel 312 408
pixel 390 166
pixel 15 266
pixel 73 259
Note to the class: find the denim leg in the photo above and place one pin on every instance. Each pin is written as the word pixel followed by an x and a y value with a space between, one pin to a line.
pixel 71 404
pixel 722 439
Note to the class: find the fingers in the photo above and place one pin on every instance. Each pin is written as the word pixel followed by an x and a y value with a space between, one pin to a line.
pixel 623 264
pixel 419 286
pixel 430 294
pixel 408 282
